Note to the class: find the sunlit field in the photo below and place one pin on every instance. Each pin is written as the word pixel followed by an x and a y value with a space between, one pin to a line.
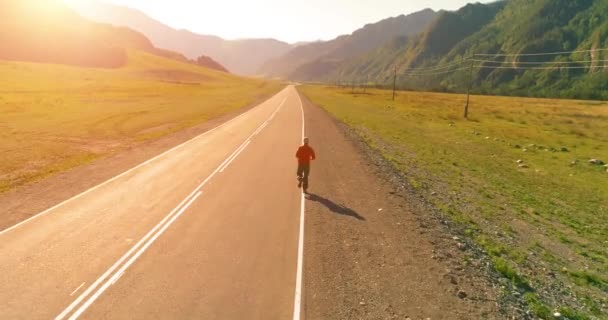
pixel 53 117
pixel 516 177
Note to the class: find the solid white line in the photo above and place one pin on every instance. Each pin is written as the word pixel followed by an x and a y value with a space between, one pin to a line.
pixel 106 274
pixel 297 304
pixel 121 271
pixel 235 156
pixel 93 286
pixel 80 286
pixel 134 168
pixel 260 129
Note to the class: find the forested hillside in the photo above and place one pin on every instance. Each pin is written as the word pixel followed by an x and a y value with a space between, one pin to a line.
pixel 320 59
pixel 500 41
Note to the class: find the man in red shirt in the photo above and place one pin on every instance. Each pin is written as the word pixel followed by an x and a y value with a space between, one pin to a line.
pixel 305 154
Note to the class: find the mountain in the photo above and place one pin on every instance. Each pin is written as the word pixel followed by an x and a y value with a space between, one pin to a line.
pixel 50 32
pixel 502 34
pixel 239 56
pixel 210 63
pixel 314 60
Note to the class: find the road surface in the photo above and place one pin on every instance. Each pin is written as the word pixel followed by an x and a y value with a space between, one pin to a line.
pixel 208 230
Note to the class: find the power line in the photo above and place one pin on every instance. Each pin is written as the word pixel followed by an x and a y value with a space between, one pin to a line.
pixel 432 73
pixel 537 54
pixel 534 68
pixel 438 67
pixel 540 62
pixel 501 67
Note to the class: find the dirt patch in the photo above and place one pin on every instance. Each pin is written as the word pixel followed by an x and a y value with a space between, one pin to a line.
pixel 374 249
pixel 176 76
pixel 160 128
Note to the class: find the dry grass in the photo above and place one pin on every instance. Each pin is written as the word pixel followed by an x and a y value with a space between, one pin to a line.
pixel 54 117
pixel 547 218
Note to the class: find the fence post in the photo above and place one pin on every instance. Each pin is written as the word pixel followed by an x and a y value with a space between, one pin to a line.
pixel 394 82
pixel 470 84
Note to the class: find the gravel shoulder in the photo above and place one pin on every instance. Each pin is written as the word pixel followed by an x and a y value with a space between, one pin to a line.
pixel 376 250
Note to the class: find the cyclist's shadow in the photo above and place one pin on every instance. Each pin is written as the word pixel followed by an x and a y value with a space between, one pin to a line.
pixel 334 207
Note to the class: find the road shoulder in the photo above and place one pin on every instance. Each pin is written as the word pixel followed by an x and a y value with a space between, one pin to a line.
pixel 375 250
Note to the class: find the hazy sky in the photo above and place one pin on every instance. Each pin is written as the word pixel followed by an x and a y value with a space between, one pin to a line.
pixel 287 20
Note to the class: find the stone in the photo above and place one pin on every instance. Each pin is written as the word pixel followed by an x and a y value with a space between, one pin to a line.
pixel 523 166
pixel 520 161
pixel 462 294
pixel 564 149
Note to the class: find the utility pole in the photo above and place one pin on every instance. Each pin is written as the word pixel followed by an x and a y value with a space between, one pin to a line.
pixel 365 85
pixel 394 82
pixel 466 107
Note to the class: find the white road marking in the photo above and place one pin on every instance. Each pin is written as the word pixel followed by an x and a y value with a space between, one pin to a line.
pixel 132 169
pixel 163 225
pixel 121 271
pixel 75 290
pixel 297 304
pixel 120 274
pixel 235 156
pixel 117 263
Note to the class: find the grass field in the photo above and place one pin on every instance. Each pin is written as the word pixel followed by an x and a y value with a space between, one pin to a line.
pixel 54 117
pixel 515 176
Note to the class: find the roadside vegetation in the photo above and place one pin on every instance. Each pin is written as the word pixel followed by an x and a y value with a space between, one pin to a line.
pixel 524 178
pixel 54 117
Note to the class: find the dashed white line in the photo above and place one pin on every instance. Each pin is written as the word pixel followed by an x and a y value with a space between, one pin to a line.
pixel 76 290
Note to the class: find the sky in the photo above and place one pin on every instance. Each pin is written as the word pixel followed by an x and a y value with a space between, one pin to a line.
pixel 286 20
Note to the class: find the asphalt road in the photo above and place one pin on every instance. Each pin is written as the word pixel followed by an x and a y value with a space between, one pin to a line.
pixel 207 230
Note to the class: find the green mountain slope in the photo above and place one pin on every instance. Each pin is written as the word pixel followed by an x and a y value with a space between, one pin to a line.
pixel 318 59
pixel 505 32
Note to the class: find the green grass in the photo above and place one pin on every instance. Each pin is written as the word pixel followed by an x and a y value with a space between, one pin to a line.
pixel 551 215
pixel 54 117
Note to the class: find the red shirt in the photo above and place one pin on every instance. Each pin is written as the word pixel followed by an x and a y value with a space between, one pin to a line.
pixel 305 154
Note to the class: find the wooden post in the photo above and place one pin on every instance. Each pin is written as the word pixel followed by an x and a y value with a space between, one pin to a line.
pixel 394 82
pixel 466 107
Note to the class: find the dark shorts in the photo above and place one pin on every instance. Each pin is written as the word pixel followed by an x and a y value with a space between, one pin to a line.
pixel 303 170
